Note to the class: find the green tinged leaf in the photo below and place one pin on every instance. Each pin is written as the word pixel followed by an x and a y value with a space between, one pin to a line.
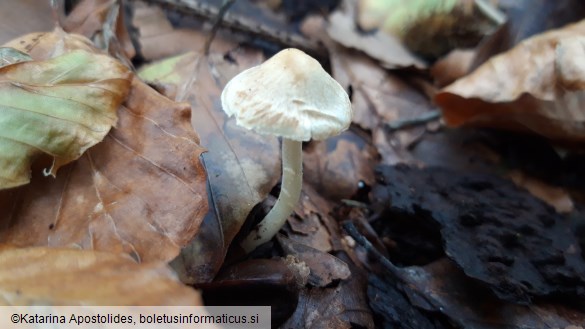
pixel 11 56
pixel 59 107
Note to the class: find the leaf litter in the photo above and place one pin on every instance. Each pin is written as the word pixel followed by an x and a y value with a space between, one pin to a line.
pixel 345 300
pixel 242 166
pixel 100 202
pixel 534 87
pixel 72 97
pixel 54 276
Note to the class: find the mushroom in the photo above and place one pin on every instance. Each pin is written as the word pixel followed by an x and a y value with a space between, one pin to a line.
pixel 290 95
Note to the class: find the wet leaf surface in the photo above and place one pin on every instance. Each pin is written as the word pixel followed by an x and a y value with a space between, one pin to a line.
pixel 52 276
pixel 497 233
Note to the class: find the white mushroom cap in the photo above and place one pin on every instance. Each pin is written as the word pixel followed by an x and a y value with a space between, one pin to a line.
pixel 289 95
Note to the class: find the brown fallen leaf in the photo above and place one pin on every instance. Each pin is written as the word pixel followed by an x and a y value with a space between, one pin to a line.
pixel 37 13
pixel 325 268
pixel 59 108
pixel 452 67
pixel 158 39
pixel 522 23
pixel 266 282
pixel 378 96
pixel 537 87
pixel 242 166
pixel 383 47
pixel 336 167
pixel 45 45
pixel 311 223
pixel 556 197
pixel 52 276
pixel 343 305
pixel 141 191
pixel 103 22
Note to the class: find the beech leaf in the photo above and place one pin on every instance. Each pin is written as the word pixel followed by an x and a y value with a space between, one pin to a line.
pixel 59 107
pixel 49 276
pixel 537 86
pixel 11 56
pixel 242 165
pixel 141 191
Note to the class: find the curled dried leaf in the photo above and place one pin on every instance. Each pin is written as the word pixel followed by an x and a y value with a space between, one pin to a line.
pixel 537 86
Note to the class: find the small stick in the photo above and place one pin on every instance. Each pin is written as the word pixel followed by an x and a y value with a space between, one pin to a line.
pixel 225 5
pixel 370 249
pixel 420 120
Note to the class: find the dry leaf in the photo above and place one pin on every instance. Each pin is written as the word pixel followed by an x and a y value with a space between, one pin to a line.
pixel 429 27
pixel 243 166
pixel 59 107
pixel 325 268
pixel 556 197
pixel 526 19
pixel 103 22
pixel 45 45
pixel 50 276
pixel 141 191
pixel 158 38
pixel 311 223
pixel 12 56
pixel 24 16
pixel 343 305
pixel 452 67
pixel 537 86
pixel 383 47
pixel 335 167
pixel 378 97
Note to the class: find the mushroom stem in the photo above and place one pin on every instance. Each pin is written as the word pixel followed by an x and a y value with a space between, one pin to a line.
pixel 290 191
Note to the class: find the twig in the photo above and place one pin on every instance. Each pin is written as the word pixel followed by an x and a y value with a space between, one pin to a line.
pixel 354 204
pixel 208 11
pixel 491 12
pixel 371 250
pixel 225 5
pixel 407 123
